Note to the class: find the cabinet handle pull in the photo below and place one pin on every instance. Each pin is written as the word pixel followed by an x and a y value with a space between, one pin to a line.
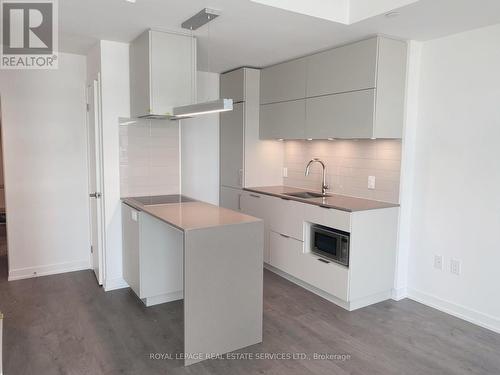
pixel 284 235
pixel 239 202
pixel 255 196
pixel 324 261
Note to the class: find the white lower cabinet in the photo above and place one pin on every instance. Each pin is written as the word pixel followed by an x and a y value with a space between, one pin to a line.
pixel 370 275
pixel 330 277
pixel 153 260
pixel 286 253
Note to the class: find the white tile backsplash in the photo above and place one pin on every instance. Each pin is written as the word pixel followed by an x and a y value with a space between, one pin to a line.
pixel 349 163
pixel 149 158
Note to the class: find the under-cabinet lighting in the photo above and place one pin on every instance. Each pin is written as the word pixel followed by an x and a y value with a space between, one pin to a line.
pixel 280 139
pixel 309 139
pixel 331 139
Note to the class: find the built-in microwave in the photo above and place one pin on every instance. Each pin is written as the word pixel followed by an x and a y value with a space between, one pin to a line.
pixel 329 243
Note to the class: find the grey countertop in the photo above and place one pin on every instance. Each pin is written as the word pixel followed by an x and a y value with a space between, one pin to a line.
pixel 339 202
pixel 187 214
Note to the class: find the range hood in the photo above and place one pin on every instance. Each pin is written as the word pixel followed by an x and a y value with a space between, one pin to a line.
pixel 214 106
pixel 163 74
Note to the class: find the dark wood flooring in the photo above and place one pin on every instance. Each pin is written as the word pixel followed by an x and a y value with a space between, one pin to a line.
pixel 66 324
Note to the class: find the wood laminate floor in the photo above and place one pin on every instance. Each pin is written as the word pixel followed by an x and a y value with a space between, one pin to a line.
pixel 66 324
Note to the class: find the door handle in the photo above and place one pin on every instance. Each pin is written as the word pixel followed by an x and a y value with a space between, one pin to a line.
pixel 95 195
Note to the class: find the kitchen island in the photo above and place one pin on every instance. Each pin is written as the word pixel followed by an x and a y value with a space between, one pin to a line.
pixel 175 248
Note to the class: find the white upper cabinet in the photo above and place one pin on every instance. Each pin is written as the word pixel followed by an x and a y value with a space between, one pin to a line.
pixel 347 115
pixel 283 82
pixel 283 120
pixel 353 91
pixel 348 68
pixel 162 73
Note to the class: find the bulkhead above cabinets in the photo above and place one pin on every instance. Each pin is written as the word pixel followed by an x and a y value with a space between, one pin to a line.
pixel 353 91
pixel 162 73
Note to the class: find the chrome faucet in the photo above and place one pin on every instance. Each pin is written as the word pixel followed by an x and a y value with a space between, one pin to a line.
pixel 324 186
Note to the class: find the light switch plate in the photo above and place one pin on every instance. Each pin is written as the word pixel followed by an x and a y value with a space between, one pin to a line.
pixel 371 182
pixel 285 172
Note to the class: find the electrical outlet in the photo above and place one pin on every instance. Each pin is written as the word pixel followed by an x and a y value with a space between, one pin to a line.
pixel 438 262
pixel 371 182
pixel 285 172
pixel 455 267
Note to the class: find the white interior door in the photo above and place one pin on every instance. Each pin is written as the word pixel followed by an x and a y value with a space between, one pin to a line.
pixel 95 178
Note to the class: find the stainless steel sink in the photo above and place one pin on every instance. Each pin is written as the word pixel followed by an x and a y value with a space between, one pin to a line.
pixel 306 195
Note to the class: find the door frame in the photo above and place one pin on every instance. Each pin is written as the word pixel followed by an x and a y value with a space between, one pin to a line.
pixel 95 85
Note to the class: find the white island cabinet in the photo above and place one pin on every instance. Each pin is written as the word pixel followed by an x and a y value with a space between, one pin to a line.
pixel 210 257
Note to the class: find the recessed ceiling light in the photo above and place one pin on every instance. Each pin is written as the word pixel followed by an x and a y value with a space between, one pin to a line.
pixel 392 14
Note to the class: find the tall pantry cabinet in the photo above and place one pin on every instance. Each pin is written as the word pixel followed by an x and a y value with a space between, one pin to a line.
pixel 245 160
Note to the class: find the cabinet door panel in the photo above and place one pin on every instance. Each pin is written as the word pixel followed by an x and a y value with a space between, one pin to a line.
pixel 283 120
pixel 232 85
pixel 347 68
pixel 173 58
pixel 230 198
pixel 131 245
pixel 260 206
pixel 231 146
pixel 140 93
pixel 347 115
pixel 283 82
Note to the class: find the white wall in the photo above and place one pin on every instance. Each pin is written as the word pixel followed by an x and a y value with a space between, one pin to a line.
pixel 456 200
pixel 45 151
pixel 115 91
pixel 200 146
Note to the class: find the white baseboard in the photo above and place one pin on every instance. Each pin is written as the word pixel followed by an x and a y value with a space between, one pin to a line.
pixel 483 320
pixel 113 284
pixel 50 269
pixel 399 294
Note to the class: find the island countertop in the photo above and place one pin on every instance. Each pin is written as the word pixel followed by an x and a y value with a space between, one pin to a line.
pixel 335 201
pixel 191 214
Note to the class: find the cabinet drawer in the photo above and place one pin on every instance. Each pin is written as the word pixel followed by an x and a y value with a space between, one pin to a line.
pixel 347 115
pixel 330 277
pixel 287 217
pixel 329 217
pixel 283 120
pixel 286 254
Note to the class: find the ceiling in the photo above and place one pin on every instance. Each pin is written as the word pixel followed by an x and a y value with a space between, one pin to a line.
pixel 251 34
